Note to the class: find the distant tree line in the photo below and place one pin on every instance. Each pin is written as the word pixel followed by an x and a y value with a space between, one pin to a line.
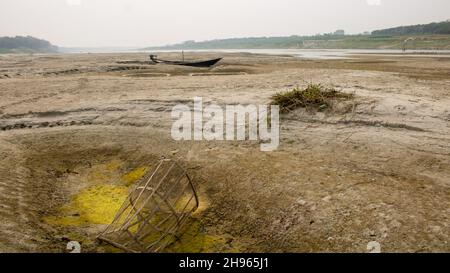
pixel 433 28
pixel 26 44
pixel 294 41
pixel 386 38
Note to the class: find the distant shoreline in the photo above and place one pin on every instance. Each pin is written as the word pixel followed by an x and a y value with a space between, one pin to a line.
pixel 313 54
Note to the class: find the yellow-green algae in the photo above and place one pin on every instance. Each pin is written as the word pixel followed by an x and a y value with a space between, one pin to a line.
pixel 99 203
pixel 94 205
pixel 134 176
pixel 105 173
pixel 194 240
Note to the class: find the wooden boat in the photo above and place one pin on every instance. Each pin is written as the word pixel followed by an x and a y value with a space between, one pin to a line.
pixel 207 63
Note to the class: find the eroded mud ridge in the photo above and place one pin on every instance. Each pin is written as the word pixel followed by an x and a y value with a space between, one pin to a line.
pixel 77 131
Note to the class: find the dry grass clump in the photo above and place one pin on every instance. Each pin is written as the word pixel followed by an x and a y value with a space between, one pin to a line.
pixel 314 96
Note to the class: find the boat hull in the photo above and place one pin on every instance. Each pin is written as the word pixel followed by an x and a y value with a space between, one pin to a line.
pixel 207 63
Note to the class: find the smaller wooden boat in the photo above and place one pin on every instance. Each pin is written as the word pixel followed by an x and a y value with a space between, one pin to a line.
pixel 207 63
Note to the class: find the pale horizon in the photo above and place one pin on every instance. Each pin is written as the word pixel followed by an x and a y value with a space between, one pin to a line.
pixel 141 23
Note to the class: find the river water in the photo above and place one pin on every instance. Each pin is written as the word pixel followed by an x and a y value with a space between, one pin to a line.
pixel 329 54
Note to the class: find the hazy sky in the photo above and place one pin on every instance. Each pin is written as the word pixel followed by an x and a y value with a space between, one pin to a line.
pixel 97 23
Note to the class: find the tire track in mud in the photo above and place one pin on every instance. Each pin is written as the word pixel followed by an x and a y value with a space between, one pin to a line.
pixel 359 122
pixel 55 118
pixel 91 115
pixel 29 100
pixel 81 84
pixel 132 113
pixel 19 223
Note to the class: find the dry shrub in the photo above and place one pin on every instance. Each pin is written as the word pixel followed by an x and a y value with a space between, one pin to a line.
pixel 314 96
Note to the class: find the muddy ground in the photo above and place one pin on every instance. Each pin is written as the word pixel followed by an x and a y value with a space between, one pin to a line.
pixel 76 129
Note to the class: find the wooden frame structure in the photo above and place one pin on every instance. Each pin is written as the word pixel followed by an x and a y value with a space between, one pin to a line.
pixel 155 210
